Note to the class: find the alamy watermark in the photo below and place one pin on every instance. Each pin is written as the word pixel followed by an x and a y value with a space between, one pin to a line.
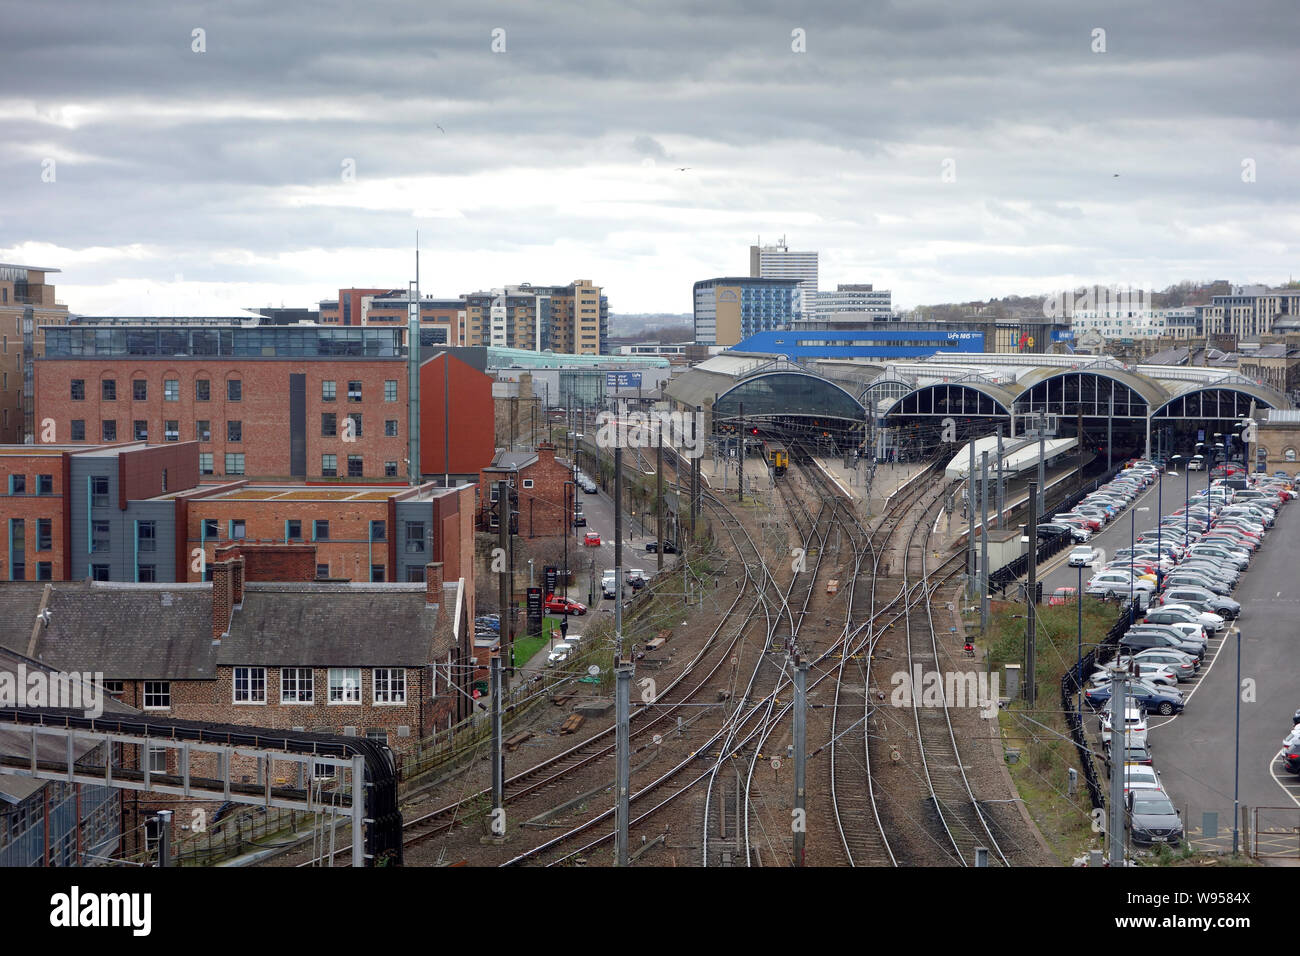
pixel 954 688
pixel 683 431
pixel 63 690
pixel 1103 300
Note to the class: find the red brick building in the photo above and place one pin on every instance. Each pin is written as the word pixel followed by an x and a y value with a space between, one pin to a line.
pixel 544 501
pixel 470 426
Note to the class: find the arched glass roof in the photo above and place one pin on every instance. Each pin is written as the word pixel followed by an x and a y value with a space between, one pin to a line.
pixel 788 393
pixel 1220 400
pixel 955 398
pixel 1094 391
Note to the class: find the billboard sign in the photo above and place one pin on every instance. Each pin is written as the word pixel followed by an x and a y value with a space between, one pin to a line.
pixel 535 612
pixel 622 379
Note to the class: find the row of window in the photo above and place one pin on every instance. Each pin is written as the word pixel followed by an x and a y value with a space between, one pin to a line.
pixel 297 686
pixel 237 528
pixel 18 484
pixel 203 390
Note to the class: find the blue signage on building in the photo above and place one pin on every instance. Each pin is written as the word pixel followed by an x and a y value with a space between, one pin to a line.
pixel 622 379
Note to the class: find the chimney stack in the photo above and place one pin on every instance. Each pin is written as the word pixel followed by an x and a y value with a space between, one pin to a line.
pixel 433 582
pixel 222 603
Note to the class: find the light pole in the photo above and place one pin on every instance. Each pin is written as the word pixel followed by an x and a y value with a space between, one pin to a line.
pixel 1132 521
pixel 1236 760
pixel 1078 663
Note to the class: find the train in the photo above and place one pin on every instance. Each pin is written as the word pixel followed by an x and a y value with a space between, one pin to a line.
pixel 778 458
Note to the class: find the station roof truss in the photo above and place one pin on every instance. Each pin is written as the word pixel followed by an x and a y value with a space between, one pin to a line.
pixel 787 392
pixel 955 399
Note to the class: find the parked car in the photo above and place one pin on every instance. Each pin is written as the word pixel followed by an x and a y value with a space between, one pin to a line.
pixel 653 547
pixel 1137 640
pixel 636 577
pixel 1175 613
pixel 1182 664
pixel 560 605
pixel 1137 777
pixel 591 539
pixel 608 582
pixel 1153 818
pixel 1084 556
pixel 1061 596
pixel 1202 598
pixel 1135 727
pixel 559 654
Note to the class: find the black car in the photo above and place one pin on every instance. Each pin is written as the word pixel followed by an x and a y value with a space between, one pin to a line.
pixel 1152 818
pixel 1291 759
pixel 580 520
pixel 669 547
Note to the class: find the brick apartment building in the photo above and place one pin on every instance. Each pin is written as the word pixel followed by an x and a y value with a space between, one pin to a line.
pixel 539 481
pixel 271 402
pixel 137 513
pixel 27 305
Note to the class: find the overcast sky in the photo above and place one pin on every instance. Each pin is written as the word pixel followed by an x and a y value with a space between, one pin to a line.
pixel 193 181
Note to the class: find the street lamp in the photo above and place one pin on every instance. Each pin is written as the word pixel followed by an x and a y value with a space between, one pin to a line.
pixel 1132 521
pixel 1078 663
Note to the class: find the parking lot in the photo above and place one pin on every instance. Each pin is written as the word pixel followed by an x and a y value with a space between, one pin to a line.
pixel 1194 752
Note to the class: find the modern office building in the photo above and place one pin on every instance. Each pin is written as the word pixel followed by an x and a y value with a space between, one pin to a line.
pixel 1135 323
pixel 779 262
pixel 730 309
pixel 27 304
pixel 800 345
pixel 853 303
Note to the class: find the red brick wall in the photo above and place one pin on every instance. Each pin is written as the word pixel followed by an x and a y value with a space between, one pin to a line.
pixel 262 409
pixel 30 507
pixel 279 562
pixel 542 508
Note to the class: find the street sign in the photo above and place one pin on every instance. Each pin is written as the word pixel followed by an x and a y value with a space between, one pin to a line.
pixel 535 611
pixel 550 575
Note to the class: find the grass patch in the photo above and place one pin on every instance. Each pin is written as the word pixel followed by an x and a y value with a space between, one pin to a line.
pixel 1041 736
pixel 526 647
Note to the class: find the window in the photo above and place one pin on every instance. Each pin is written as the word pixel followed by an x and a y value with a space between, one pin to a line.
pixel 354 391
pixel 78 389
pixel 210 528
pixel 328 424
pixel 329 466
pixel 234 463
pixel 17 549
pixel 147 539
pixel 99 536
pixel 355 469
pixel 234 390
pixel 172 430
pixel 345 685
pixel 99 491
pixel 322 570
pixel 293 530
pixel 157 759
pixel 390 428
pixel 415 537
pixel 202 390
pixel 203 428
pixel 378 531
pixel 17 484
pixel 205 463
pixel 320 530
pixel 139 390
pixel 141 430
pixel 390 390
pixel 327 391
pixel 45 484
pixel 356 424
pixel 415 575
pixel 376 572
pixel 147 573
pixel 157 694
pixel 171 390
pixel 44 571
pixel 234 431
pixel 44 534
pixel 528 482
pixel 250 685
pixel 389 685
pixel 108 389
pixel 99 572
pixel 390 469
pixel 78 429
pixel 108 430
pixel 297 686
pixel 237 529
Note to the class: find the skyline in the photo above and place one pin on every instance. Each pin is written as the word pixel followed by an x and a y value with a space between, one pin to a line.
pixel 946 155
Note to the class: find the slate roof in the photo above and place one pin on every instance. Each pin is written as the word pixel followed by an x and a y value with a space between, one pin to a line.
pixel 164 631
pixel 354 626
pixel 511 460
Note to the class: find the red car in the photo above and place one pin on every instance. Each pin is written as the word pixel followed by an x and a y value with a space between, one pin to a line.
pixel 559 605
pixel 1061 596
pixel 592 539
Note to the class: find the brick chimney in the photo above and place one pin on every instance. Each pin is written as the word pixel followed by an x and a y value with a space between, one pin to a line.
pixel 433 582
pixel 222 604
pixel 237 582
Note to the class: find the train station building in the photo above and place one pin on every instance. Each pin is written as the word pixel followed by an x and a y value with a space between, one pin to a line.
pixel 908 410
